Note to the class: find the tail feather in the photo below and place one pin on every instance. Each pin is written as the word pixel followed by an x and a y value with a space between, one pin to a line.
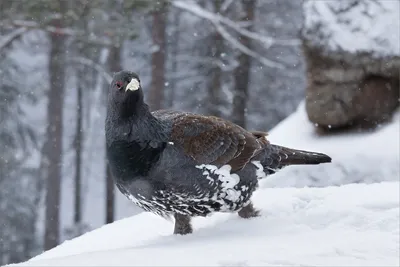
pixel 277 157
pixel 289 156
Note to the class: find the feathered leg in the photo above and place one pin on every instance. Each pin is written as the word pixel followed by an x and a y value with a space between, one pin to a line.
pixel 183 224
pixel 248 212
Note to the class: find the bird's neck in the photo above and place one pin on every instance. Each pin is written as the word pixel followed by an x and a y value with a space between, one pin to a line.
pixel 149 128
pixel 136 123
pixel 134 143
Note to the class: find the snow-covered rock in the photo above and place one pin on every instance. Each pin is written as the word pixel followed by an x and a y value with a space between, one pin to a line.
pixel 352 52
pixel 347 225
pixel 354 26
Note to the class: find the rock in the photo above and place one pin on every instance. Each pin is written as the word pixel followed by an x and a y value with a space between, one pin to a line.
pixel 351 83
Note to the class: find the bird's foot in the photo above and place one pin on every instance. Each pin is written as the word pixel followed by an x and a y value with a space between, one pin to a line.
pixel 248 212
pixel 183 224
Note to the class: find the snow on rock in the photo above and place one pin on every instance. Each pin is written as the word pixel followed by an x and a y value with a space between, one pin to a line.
pixel 354 26
pixel 359 157
pixel 354 224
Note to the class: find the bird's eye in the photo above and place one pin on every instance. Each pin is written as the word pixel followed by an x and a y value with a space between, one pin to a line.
pixel 119 85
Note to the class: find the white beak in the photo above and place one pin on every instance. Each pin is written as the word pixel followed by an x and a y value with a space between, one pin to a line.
pixel 133 85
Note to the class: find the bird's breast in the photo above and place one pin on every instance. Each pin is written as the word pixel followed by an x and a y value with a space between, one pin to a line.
pixel 129 160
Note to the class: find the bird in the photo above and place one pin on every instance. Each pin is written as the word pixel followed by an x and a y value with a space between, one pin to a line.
pixel 181 165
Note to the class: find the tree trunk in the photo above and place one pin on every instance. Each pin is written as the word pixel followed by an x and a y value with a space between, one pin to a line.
pixel 85 78
pixel 114 63
pixel 53 146
pixel 110 196
pixel 156 91
pixel 78 156
pixel 174 54
pixel 242 72
pixel 215 85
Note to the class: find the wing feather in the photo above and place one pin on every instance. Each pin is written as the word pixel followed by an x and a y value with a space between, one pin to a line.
pixel 212 140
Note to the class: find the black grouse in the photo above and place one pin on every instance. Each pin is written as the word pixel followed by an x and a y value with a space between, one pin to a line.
pixel 182 164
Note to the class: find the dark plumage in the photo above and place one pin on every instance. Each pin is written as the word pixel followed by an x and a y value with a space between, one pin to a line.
pixel 181 164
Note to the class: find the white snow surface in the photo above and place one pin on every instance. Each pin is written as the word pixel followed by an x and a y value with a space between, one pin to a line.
pixel 348 225
pixel 311 215
pixel 354 26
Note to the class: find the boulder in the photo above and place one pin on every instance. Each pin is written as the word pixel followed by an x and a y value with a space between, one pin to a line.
pixel 352 52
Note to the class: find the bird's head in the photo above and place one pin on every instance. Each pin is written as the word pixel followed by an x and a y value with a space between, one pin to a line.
pixel 125 93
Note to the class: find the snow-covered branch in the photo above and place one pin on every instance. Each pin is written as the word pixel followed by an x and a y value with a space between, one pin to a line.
pixel 217 19
pixel 9 38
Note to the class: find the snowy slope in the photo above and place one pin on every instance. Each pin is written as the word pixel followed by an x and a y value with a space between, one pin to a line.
pixel 365 157
pixel 351 224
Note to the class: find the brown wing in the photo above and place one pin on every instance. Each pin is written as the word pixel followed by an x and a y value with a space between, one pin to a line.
pixel 212 140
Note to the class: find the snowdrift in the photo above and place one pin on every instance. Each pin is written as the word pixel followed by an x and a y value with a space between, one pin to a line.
pixel 344 213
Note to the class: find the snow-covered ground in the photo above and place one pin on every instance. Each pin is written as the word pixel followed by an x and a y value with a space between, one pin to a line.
pixel 349 225
pixel 328 224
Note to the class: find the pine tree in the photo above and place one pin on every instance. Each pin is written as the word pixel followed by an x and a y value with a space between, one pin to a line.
pixel 18 182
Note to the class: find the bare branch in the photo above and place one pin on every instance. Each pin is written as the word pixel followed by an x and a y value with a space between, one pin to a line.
pixel 207 60
pixel 244 49
pixel 226 5
pixel 62 31
pixel 218 19
pixel 9 38
pixel 90 63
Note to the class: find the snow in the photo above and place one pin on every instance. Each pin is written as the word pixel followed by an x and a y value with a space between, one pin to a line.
pixel 349 225
pixel 344 213
pixel 363 26
pixel 365 157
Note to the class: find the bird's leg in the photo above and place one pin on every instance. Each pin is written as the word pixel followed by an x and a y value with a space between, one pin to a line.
pixel 248 212
pixel 183 225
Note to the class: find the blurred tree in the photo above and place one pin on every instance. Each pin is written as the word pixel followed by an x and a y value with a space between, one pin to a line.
pixel 65 21
pixel 78 142
pixel 158 33
pixel 274 93
pixel 242 71
pixel 216 48
pixel 114 65
pixel 53 150
pixel 265 51
pixel 173 46
pixel 18 180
